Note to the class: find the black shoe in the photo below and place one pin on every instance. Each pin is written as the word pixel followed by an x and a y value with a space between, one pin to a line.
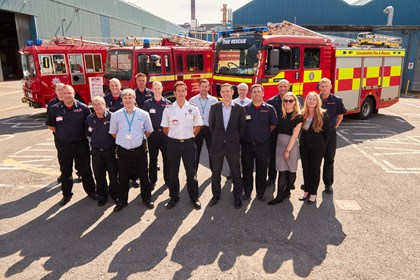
pixel 311 201
pixel 261 197
pixel 149 204
pixel 292 187
pixel 196 203
pixel 246 196
pixel 275 201
pixel 59 180
pixel 303 198
pixel 214 201
pixel 94 195
pixel 120 206
pixel 171 203
pixel 329 189
pixel 270 182
pixel 237 204
pixel 101 202
pixel 136 183
pixel 302 187
pixel 286 195
pixel 65 200
pixel 78 179
pixel 115 199
pixel 152 185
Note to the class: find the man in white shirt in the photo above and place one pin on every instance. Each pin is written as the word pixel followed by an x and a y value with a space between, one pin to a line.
pixel 181 122
pixel 242 92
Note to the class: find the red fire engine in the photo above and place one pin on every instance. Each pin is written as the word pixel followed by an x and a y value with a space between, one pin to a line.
pixel 173 59
pixel 367 79
pixel 61 60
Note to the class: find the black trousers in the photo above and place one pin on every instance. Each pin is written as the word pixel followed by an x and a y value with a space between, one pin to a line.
pixel 133 162
pixel 104 161
pixel 158 141
pixel 329 155
pixel 80 154
pixel 311 165
pixel 235 171
pixel 186 152
pixel 258 152
pixel 204 134
pixel 272 173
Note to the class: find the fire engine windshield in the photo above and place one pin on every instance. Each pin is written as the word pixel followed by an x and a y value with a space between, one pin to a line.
pixel 28 65
pixel 118 65
pixel 237 56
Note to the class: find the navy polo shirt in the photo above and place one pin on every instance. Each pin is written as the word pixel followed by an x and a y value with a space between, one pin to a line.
pixel 98 130
pixel 69 123
pixel 276 102
pixel 155 110
pixel 258 122
pixel 141 97
pixel 334 106
pixel 112 104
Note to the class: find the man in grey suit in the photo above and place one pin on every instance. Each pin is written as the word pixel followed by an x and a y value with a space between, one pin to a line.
pixel 226 123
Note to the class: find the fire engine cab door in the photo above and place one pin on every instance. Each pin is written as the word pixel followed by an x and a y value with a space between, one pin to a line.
pixel 77 70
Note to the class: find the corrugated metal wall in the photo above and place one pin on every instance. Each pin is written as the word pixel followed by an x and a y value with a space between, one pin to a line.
pixel 326 12
pixel 93 18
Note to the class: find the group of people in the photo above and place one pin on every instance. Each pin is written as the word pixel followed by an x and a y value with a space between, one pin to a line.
pixel 127 125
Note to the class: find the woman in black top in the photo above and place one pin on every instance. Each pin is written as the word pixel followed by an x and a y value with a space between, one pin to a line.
pixel 315 129
pixel 287 150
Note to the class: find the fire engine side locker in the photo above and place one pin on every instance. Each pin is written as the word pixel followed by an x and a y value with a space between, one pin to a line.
pixel 348 82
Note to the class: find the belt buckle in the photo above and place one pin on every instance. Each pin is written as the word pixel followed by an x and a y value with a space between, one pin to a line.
pixel 182 140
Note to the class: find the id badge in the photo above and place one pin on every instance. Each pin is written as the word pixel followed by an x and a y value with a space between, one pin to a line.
pixel 248 117
pixel 152 111
pixel 128 136
pixel 59 119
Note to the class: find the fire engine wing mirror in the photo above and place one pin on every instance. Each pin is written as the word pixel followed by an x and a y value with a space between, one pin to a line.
pixel 45 62
pixel 274 58
pixel 143 65
pixel 285 48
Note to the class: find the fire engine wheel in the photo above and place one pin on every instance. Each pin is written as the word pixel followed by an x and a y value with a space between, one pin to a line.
pixel 366 110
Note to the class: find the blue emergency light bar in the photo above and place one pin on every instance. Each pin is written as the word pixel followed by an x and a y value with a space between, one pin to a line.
pixel 38 42
pixel 243 30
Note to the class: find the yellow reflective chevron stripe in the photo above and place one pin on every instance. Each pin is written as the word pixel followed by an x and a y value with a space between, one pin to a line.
pixel 232 79
pixel 364 52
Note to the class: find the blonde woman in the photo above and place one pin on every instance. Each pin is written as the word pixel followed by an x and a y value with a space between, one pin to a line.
pixel 313 138
pixel 287 149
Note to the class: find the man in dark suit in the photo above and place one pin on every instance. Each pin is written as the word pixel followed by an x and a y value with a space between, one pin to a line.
pixel 226 123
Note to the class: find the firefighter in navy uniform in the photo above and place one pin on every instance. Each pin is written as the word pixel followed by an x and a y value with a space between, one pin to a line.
pixel 113 99
pixel 158 140
pixel 335 109
pixel 67 120
pixel 103 151
pixel 261 120
pixel 142 92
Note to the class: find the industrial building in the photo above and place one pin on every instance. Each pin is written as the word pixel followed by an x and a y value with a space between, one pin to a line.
pixel 22 20
pixel 337 17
